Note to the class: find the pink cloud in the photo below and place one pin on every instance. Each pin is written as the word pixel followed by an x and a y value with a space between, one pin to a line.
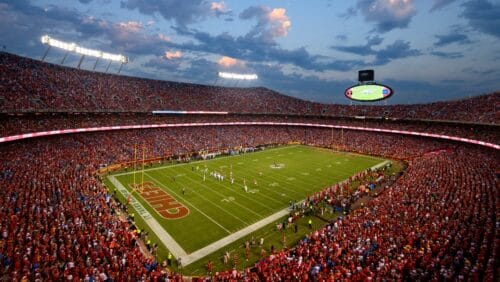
pixel 164 37
pixel 228 62
pixel 131 26
pixel 271 23
pixel 219 7
pixel 172 55
pixel 279 21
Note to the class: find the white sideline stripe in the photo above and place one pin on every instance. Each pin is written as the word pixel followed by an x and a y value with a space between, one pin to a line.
pixel 160 232
pixel 188 259
pixel 176 249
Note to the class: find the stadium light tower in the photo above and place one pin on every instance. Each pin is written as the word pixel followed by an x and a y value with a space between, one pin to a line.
pixel 237 76
pixel 72 47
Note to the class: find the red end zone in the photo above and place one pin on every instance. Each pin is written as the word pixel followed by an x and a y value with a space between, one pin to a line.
pixel 164 204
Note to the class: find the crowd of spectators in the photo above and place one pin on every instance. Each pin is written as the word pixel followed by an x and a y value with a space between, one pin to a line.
pixel 437 221
pixel 34 86
pixel 27 123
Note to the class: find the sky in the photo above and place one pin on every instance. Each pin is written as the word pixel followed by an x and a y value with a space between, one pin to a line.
pixel 426 50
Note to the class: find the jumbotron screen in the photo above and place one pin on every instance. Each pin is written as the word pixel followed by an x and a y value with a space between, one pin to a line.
pixel 368 92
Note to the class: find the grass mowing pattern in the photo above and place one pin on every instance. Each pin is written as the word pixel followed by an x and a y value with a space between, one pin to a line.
pixel 220 208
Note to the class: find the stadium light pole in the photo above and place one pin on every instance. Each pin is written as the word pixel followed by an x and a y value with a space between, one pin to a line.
pixel 64 58
pixel 120 69
pixel 95 65
pixel 109 64
pixel 46 53
pixel 81 60
pixel 84 52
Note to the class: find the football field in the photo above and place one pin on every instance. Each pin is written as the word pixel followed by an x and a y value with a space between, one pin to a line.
pixel 195 208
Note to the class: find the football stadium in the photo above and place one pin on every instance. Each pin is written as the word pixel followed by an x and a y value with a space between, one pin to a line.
pixel 224 170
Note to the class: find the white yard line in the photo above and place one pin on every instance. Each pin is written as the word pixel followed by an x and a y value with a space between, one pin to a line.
pixel 218 158
pixel 173 246
pixel 187 202
pixel 160 232
pixel 237 192
pixel 222 195
pixel 215 204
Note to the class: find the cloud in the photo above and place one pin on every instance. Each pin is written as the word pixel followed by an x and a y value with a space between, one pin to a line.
pixel 341 37
pixel 256 49
pixel 27 23
pixel 361 50
pixel 279 22
pixel 451 38
pixel 22 24
pixel 447 55
pixel 398 50
pixel 88 1
pixel 128 37
pixel 483 15
pixel 387 14
pixel 164 37
pixel 196 70
pixel 307 87
pixel 228 62
pixel 438 4
pixel 349 13
pixel 271 23
pixel 161 63
pixel 219 8
pixel 181 12
pixel 172 55
pixel 131 26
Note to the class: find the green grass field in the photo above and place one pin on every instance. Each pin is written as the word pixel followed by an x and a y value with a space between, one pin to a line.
pixel 273 177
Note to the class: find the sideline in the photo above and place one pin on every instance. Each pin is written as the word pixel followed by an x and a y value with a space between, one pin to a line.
pixel 160 232
pixel 217 158
pixel 175 248
pixel 169 242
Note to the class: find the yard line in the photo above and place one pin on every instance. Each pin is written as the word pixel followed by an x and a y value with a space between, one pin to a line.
pixel 211 160
pixel 190 258
pixel 218 206
pixel 187 202
pixel 326 174
pixel 343 174
pixel 237 193
pixel 263 195
pixel 155 226
pixel 273 190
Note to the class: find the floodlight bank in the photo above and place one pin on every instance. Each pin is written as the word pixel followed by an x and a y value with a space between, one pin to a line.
pixel 237 76
pixel 83 51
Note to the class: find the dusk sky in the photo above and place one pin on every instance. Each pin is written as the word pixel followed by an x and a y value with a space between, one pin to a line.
pixel 427 50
